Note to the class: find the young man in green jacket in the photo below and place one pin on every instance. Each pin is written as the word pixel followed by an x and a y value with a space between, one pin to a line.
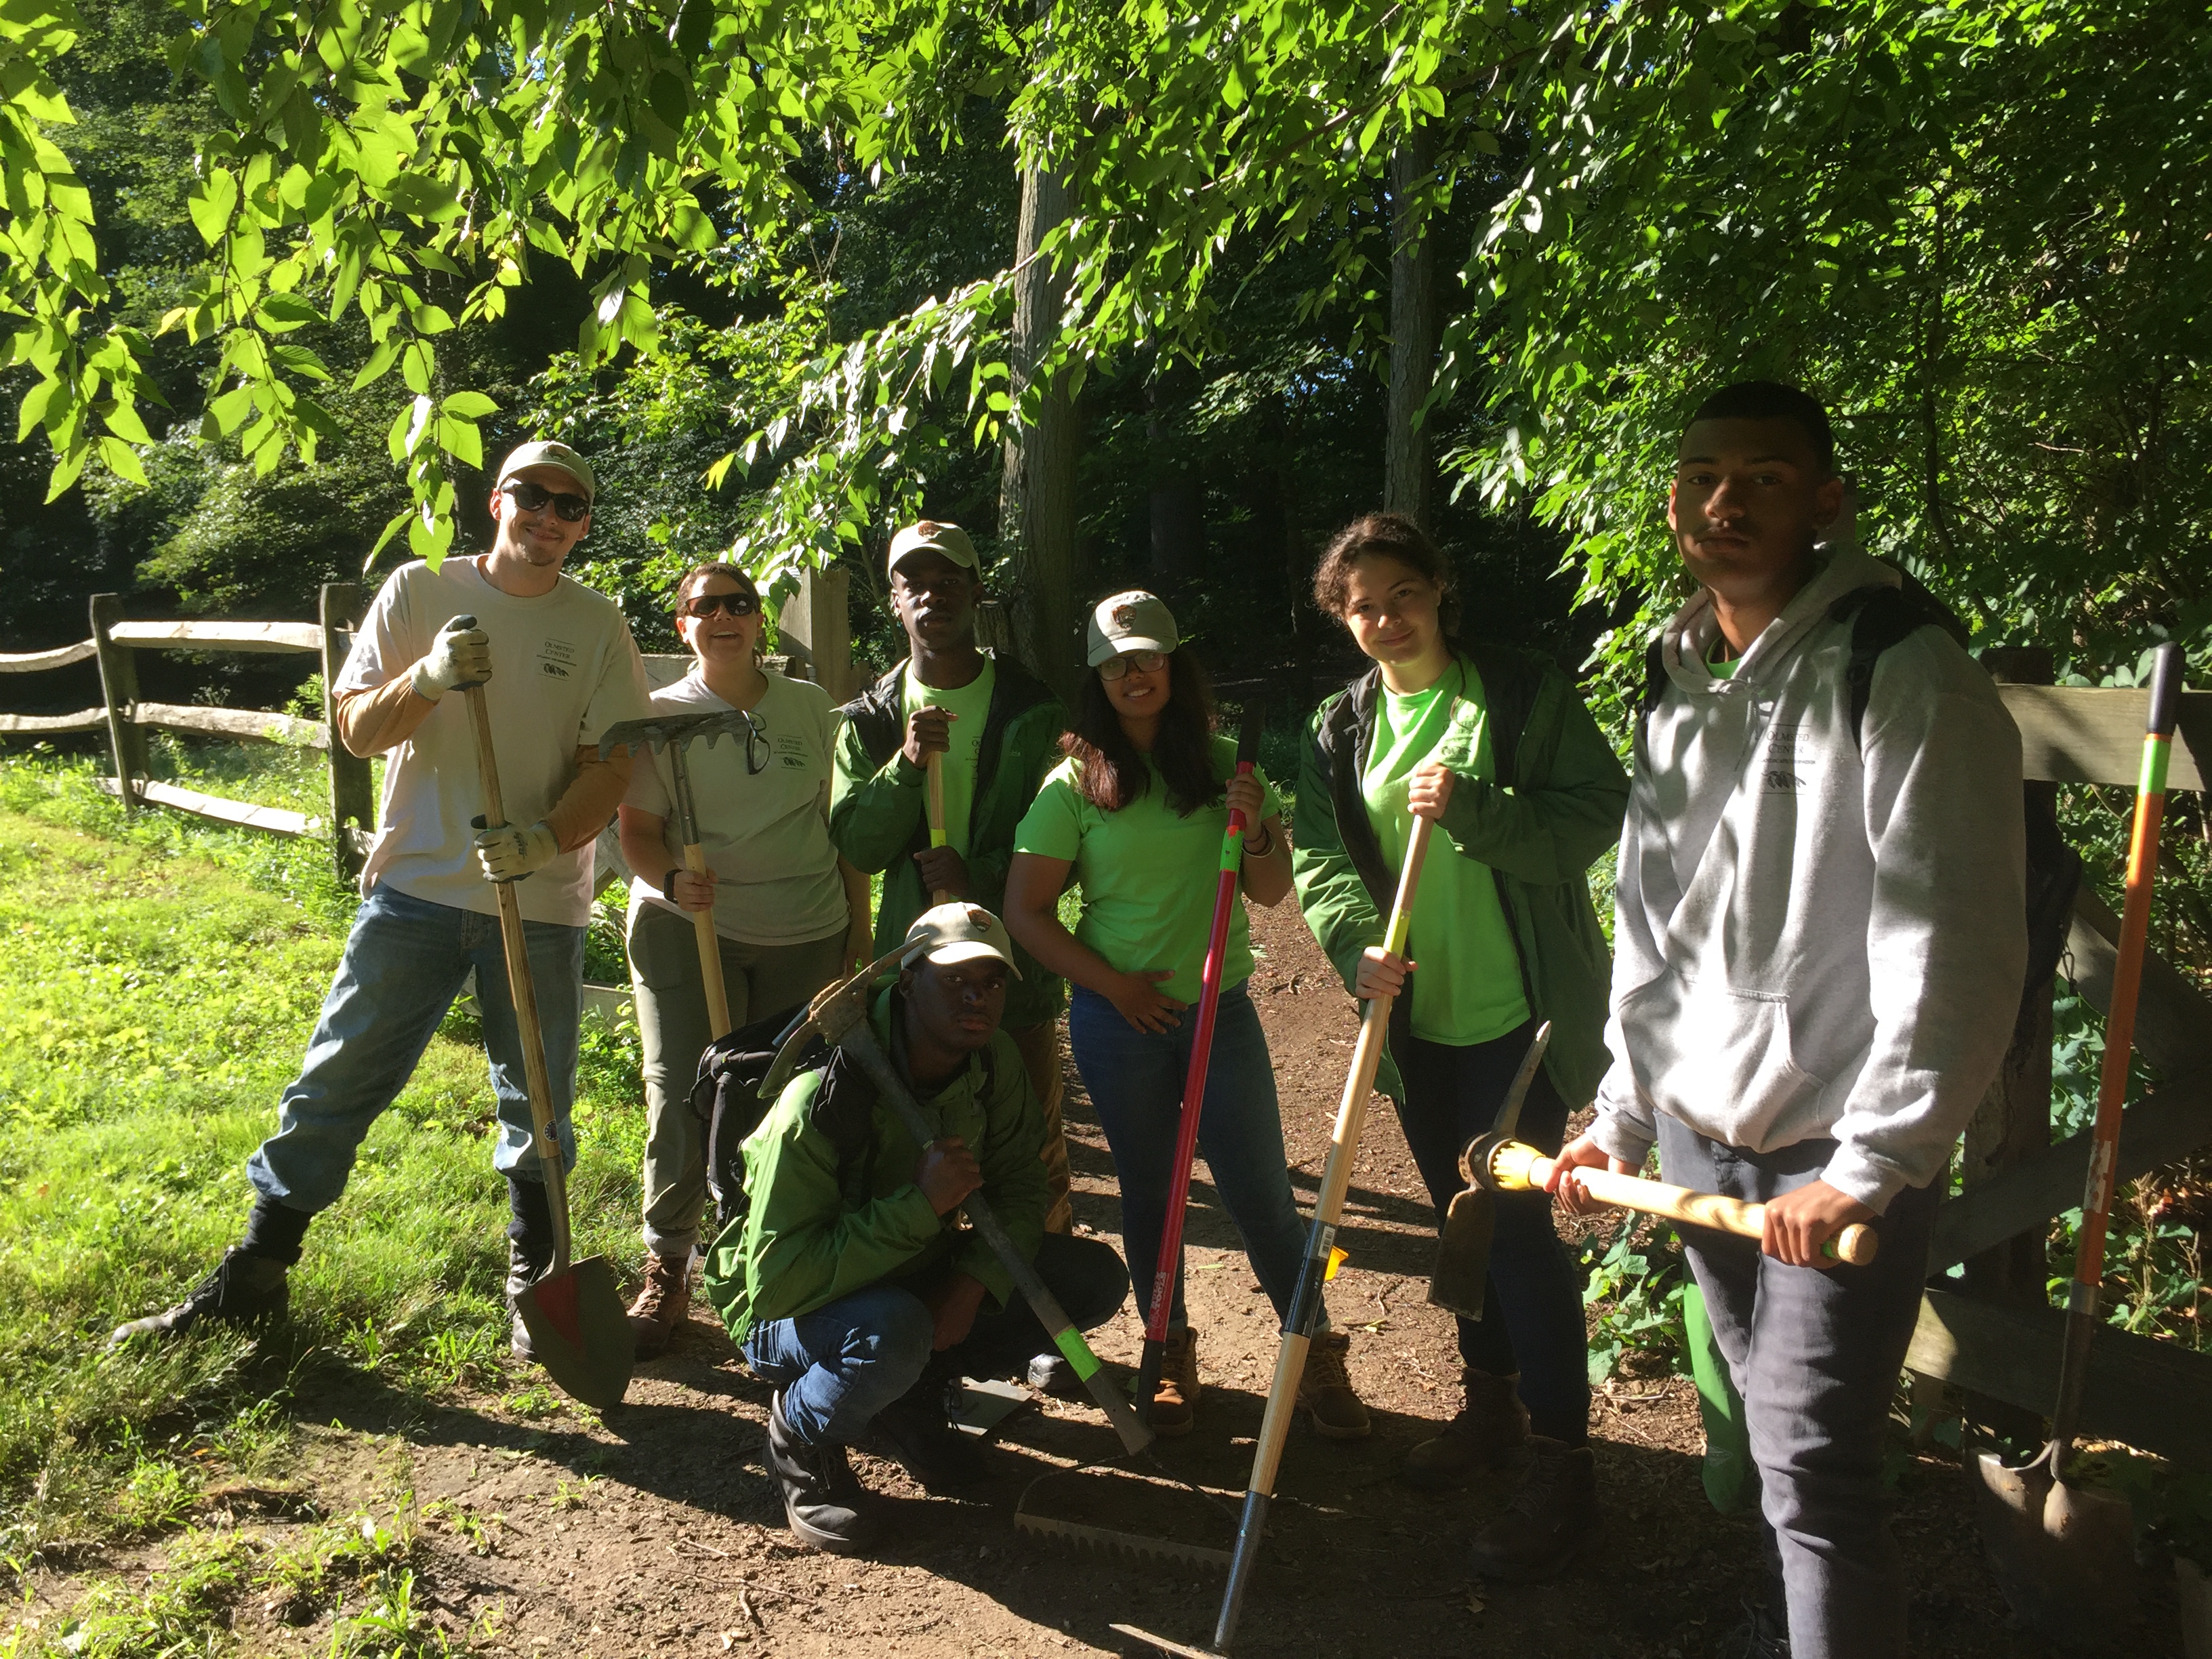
pixel 997 729
pixel 850 1286
pixel 1493 747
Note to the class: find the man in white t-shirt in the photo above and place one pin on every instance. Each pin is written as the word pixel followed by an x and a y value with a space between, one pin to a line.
pixel 558 666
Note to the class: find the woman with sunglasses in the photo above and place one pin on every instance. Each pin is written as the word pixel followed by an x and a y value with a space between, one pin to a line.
pixel 1135 815
pixel 791 914
pixel 1494 746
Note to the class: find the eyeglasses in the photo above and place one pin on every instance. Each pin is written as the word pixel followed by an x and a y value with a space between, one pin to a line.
pixel 532 497
pixel 1144 662
pixel 739 604
pixel 755 745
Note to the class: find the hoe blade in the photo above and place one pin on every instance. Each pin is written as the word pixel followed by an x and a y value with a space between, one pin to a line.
pixel 1463 1254
pixel 579 1332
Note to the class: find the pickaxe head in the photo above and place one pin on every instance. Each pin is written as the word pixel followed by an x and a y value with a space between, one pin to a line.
pixel 1462 1268
pixel 658 731
pixel 830 1016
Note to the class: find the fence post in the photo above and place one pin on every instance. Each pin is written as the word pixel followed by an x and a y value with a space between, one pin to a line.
pixel 353 795
pixel 814 627
pixel 118 688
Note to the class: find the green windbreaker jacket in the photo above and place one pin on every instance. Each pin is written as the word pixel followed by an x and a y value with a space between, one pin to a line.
pixel 1554 808
pixel 820 1226
pixel 879 810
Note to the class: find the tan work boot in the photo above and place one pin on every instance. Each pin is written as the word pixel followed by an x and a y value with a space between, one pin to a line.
pixel 1490 1432
pixel 1551 1521
pixel 1325 1390
pixel 1175 1399
pixel 663 1303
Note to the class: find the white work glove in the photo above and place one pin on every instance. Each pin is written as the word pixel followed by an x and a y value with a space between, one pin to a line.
pixel 511 853
pixel 460 655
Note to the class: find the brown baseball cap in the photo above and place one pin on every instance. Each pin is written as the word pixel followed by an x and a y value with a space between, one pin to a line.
pixel 933 535
pixel 958 932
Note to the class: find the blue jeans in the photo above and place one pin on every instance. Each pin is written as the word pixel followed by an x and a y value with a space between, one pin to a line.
pixel 1532 1304
pixel 841 1364
pixel 1135 1079
pixel 405 963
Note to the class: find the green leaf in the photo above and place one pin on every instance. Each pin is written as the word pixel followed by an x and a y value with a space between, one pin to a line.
pixel 212 204
pixel 121 459
pixel 430 320
pixel 469 406
pixel 378 364
pixel 279 313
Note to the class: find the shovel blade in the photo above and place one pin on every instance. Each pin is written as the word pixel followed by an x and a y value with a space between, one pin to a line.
pixel 1463 1254
pixel 579 1332
pixel 2064 1555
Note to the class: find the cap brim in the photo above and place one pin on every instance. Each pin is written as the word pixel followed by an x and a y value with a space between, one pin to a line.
pixel 1122 647
pixel 582 484
pixel 967 950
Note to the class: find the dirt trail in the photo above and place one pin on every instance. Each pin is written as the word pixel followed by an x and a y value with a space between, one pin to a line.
pixel 657 1532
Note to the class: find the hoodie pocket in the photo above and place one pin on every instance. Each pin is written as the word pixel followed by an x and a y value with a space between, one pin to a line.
pixel 1720 1060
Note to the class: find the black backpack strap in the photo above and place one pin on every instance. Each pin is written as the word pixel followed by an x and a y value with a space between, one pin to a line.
pixel 1880 618
pixel 1654 678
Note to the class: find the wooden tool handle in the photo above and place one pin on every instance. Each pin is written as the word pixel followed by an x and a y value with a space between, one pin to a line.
pixel 522 989
pixel 1520 1166
pixel 936 773
pixel 710 951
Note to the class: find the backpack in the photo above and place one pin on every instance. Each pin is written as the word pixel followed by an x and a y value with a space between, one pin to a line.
pixel 725 1100
pixel 1883 616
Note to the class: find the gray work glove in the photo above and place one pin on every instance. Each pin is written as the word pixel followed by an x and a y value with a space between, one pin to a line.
pixel 460 655
pixel 511 853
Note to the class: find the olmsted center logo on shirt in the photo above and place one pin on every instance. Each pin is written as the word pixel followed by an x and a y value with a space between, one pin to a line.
pixel 556 659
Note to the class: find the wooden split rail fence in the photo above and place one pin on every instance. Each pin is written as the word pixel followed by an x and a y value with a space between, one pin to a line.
pixel 115 643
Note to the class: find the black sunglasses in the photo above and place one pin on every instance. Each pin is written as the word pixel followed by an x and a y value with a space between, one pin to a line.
pixel 531 497
pixel 739 604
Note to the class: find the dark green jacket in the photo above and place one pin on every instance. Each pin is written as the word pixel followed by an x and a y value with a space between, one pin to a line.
pixel 821 1224
pixel 879 810
pixel 1555 807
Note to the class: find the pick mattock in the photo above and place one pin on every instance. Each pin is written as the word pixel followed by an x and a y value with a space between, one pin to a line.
pixel 2063 1554
pixel 672 732
pixel 1463 1247
pixel 578 1328
pixel 1319 1265
pixel 1194 1087
pixel 1496 1163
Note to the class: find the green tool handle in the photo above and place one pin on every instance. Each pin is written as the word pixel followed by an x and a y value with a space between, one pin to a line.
pixel 861 1043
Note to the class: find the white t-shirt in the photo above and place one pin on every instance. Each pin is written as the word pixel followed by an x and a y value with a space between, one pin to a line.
pixel 563 670
pixel 766 834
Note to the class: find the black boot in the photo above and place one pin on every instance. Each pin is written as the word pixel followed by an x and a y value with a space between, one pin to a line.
pixel 243 1290
pixel 823 1501
pixel 914 1430
pixel 1552 1521
pixel 529 1251
pixel 1490 1432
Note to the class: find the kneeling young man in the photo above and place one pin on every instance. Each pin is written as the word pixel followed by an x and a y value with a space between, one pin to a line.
pixel 850 1288
pixel 1819 947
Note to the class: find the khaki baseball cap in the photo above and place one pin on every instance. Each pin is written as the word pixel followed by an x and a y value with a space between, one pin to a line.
pixel 543 451
pixel 932 537
pixel 958 933
pixel 1135 621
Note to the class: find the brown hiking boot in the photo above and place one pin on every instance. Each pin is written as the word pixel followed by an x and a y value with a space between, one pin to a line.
pixel 663 1303
pixel 1490 1432
pixel 1325 1390
pixel 1176 1398
pixel 1551 1522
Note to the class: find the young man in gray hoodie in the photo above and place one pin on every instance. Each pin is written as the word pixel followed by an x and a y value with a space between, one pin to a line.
pixel 1819 947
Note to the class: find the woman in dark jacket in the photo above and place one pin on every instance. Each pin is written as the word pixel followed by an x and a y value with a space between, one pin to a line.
pixel 1494 746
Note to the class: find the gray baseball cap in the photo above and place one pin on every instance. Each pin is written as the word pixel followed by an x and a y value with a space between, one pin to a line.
pixel 545 451
pixel 1135 621
pixel 958 932
pixel 933 535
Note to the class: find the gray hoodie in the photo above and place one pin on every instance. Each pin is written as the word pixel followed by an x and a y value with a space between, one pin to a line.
pixel 1811 940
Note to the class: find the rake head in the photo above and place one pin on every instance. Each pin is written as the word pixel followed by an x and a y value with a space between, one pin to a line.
pixel 1108 1541
pixel 659 731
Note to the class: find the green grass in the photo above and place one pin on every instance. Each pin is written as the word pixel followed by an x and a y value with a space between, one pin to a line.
pixel 159 978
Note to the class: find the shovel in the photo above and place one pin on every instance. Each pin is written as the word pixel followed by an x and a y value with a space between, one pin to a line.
pixel 578 1328
pixel 2064 1555
pixel 1194 1086
pixel 935 774
pixel 672 732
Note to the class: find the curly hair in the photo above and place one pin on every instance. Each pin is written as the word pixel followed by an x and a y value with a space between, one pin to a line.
pixel 1390 536
pixel 1109 770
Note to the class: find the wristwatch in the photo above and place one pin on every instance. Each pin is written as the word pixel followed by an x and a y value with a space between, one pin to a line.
pixel 668 884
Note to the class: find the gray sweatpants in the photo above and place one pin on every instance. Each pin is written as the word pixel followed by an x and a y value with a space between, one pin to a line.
pixel 670 998
pixel 1816 1356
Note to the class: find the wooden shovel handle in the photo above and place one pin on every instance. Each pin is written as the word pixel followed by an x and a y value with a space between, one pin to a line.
pixel 1518 1167
pixel 710 951
pixel 935 769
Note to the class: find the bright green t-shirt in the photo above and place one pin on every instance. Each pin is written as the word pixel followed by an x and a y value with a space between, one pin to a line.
pixel 1148 875
pixel 1466 989
pixel 970 707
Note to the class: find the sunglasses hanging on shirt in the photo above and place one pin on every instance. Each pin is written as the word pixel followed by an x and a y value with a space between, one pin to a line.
pixel 532 497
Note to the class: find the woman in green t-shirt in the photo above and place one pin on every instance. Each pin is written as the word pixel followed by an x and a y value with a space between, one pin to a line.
pixel 1136 815
pixel 1494 746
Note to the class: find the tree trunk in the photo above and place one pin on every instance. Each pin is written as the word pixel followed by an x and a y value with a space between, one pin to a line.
pixel 1176 509
pixel 1037 492
pixel 1409 473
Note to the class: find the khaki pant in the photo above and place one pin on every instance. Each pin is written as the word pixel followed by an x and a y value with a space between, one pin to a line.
pixel 1041 1059
pixel 670 996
